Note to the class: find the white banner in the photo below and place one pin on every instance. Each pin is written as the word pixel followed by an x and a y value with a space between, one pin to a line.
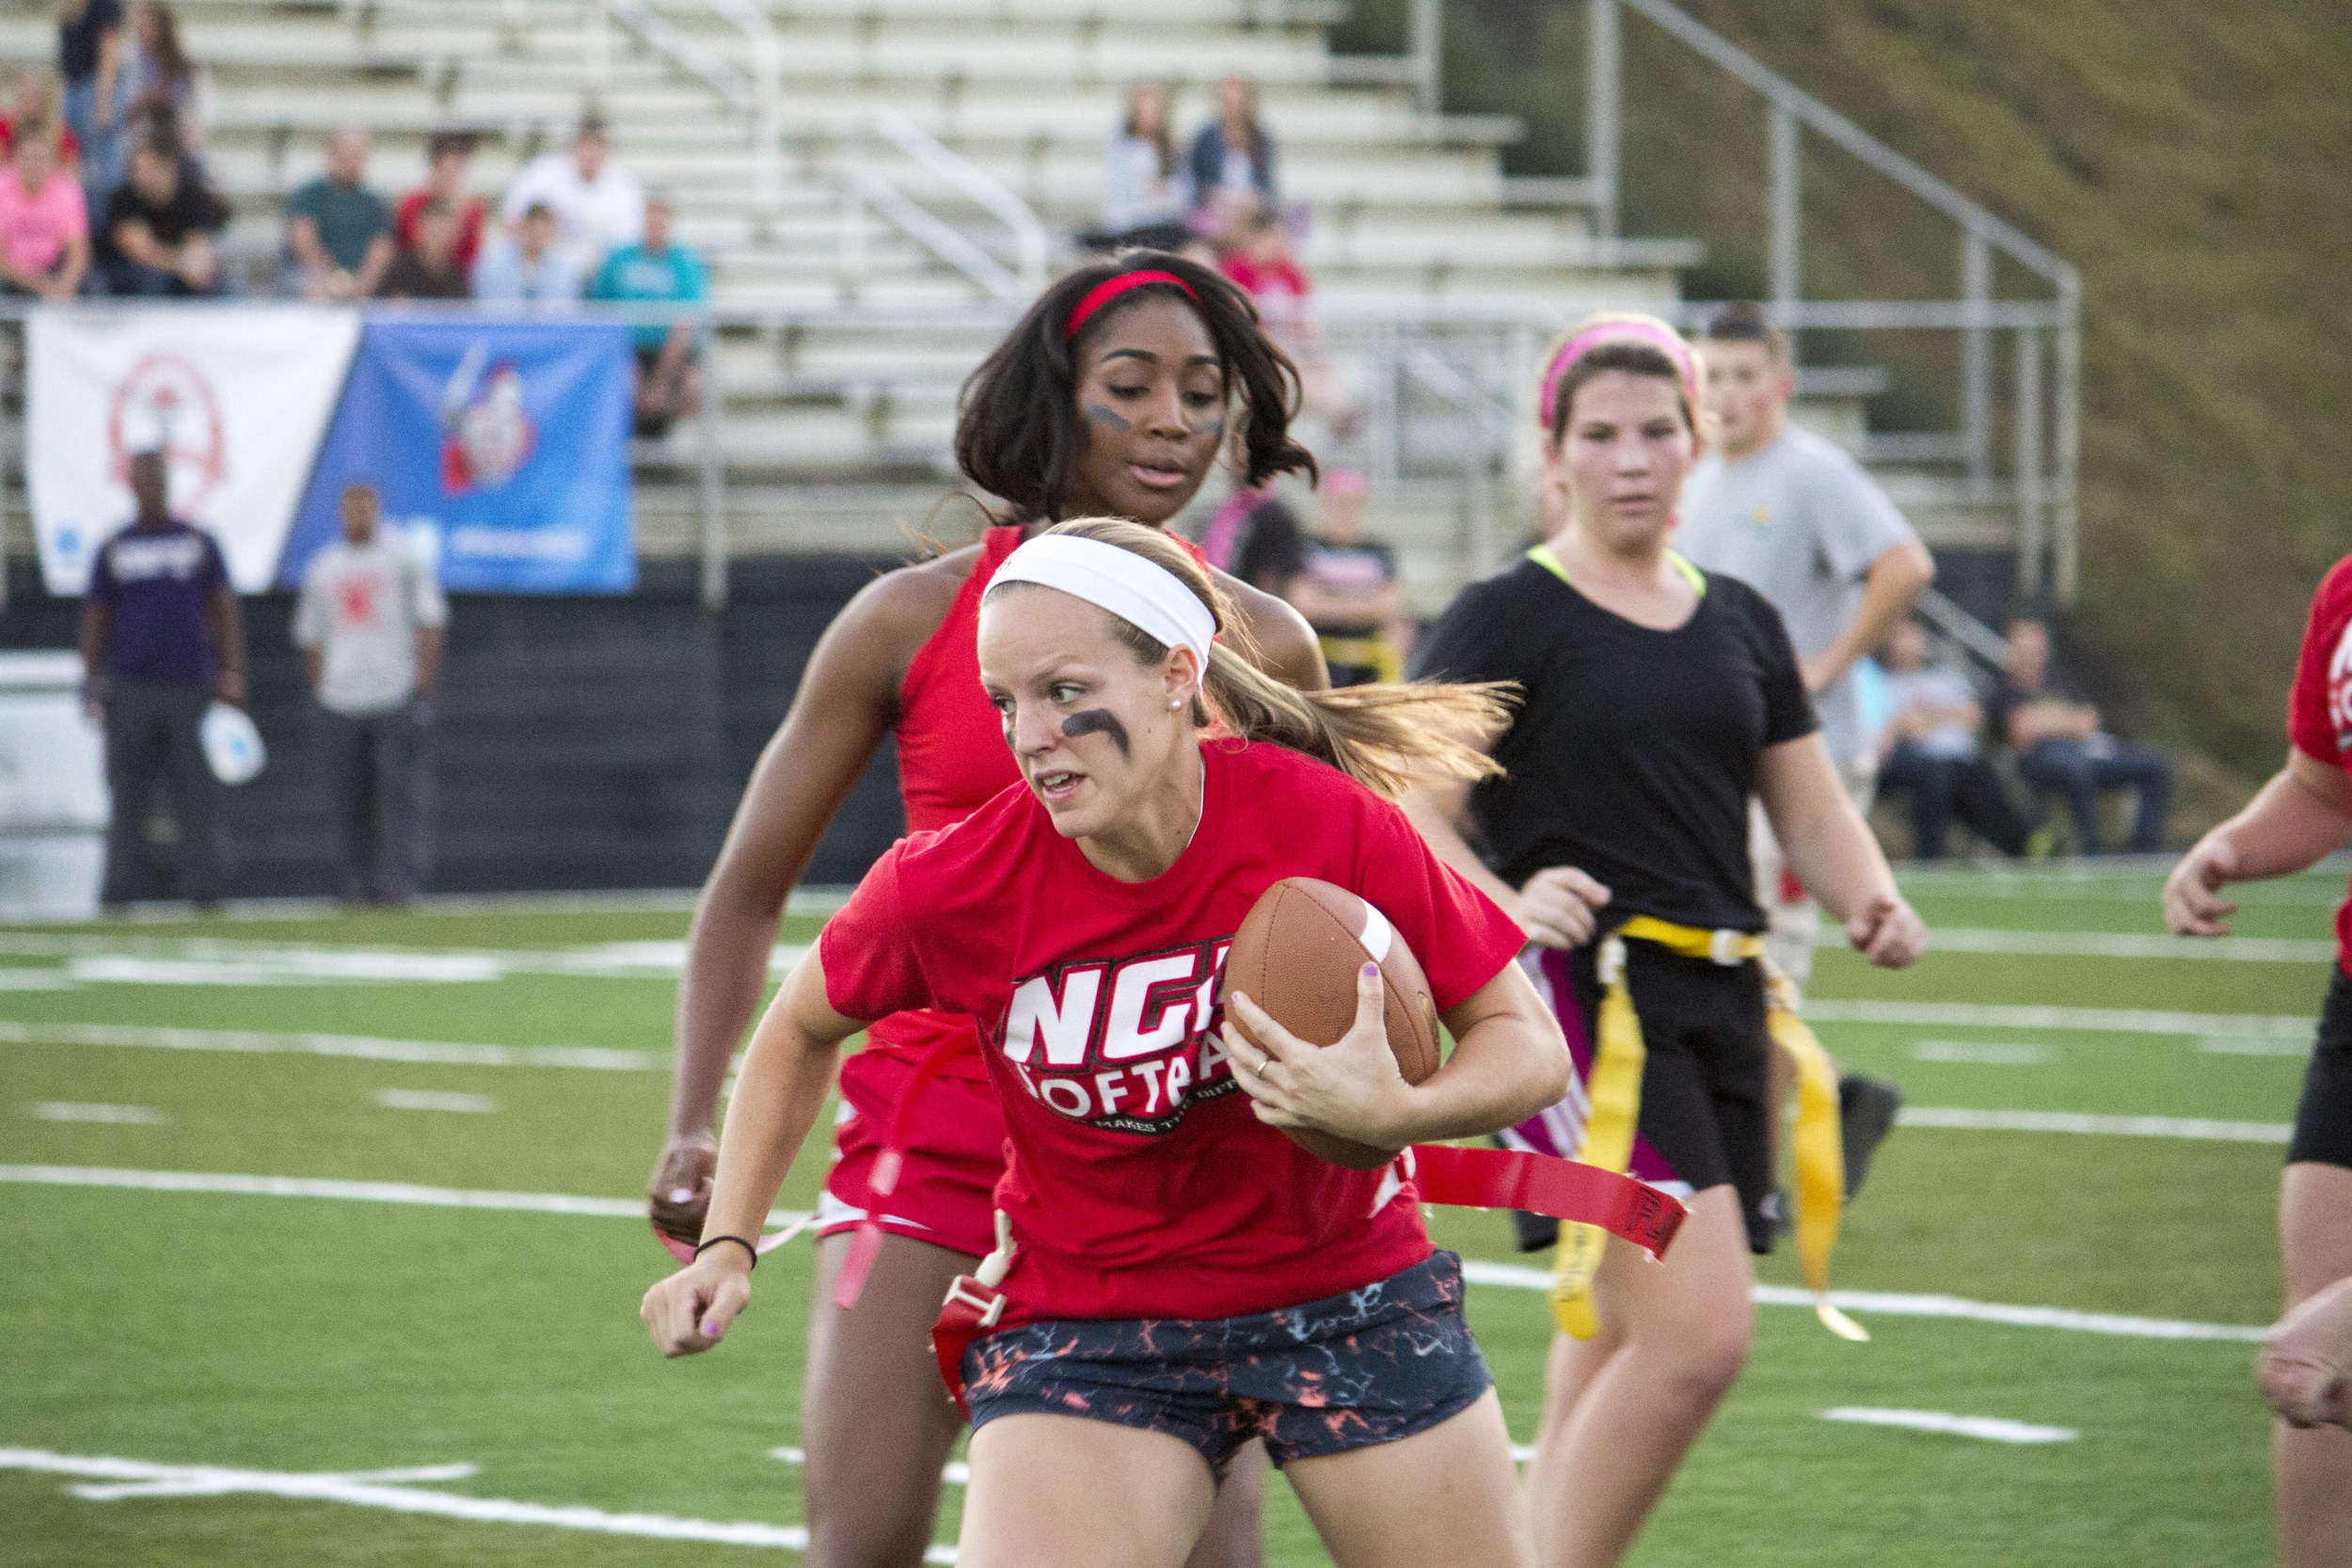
pixel 237 396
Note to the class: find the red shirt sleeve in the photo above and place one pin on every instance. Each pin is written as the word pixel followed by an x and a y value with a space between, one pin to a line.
pixel 868 949
pixel 1462 940
pixel 2321 691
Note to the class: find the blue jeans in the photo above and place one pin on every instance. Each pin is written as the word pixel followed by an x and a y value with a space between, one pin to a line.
pixel 102 149
pixel 2080 770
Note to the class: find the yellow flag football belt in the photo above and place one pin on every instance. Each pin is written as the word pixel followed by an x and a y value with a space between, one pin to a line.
pixel 1613 1089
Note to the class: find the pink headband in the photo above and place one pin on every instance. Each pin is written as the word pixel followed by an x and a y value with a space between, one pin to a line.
pixel 1658 334
pixel 1110 289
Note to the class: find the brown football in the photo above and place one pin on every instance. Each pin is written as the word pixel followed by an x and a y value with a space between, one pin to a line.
pixel 1297 955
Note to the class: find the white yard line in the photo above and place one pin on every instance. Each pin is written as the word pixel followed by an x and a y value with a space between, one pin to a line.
pixel 1520 1276
pixel 435 1100
pixel 2114 1020
pixel 2114 945
pixel 1990 1429
pixel 116 959
pixel 128 1115
pixel 361 1046
pixel 2068 1121
pixel 1981 1052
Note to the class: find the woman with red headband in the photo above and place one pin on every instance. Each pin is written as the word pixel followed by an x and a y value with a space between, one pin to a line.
pixel 1657 699
pixel 1177 1276
pixel 1116 393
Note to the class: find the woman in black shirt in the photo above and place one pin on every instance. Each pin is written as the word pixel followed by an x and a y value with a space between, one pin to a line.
pixel 1656 700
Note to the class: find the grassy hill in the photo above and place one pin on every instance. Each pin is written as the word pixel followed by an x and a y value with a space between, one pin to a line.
pixel 2192 157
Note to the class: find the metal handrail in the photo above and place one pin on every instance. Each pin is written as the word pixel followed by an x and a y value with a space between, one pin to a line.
pixel 977 185
pixel 926 228
pixel 756 93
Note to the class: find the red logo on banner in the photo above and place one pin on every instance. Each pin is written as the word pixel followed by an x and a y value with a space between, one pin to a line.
pixel 166 404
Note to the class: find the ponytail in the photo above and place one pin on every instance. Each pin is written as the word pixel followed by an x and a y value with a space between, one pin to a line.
pixel 1384 737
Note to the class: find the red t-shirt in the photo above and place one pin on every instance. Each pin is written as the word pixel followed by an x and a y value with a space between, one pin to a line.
pixel 468 226
pixel 2319 711
pixel 1139 1183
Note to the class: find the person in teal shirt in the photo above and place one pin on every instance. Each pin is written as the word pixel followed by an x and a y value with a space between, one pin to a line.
pixel 338 233
pixel 657 270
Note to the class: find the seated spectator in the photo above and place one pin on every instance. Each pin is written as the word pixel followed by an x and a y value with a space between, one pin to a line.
pixel 338 232
pixel 2055 732
pixel 1270 549
pixel 1231 166
pixel 527 268
pixel 1931 750
pixel 35 99
pixel 447 157
pixel 44 227
pixel 598 205
pixel 158 77
pixel 658 270
pixel 1267 269
pixel 1146 188
pixel 429 269
pixel 1346 589
pixel 160 229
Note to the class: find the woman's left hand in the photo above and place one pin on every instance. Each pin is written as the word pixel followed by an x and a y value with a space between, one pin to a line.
pixel 1351 1089
pixel 1887 931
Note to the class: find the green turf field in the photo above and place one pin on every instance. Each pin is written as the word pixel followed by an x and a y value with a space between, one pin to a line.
pixel 486 1368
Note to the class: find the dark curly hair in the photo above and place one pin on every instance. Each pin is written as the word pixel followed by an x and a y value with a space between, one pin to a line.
pixel 1018 435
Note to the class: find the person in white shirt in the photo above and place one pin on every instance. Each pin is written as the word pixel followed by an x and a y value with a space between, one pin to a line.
pixel 1147 188
pixel 598 205
pixel 370 626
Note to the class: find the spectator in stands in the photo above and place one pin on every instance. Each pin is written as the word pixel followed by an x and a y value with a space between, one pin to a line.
pixel 659 270
pixel 162 639
pixel 160 226
pixel 448 155
pixel 338 232
pixel 1146 188
pixel 1232 160
pixel 370 624
pixel 158 77
pixel 1269 549
pixel 44 227
pixel 527 268
pixel 2044 716
pixel 1797 518
pixel 1266 267
pixel 1934 751
pixel 35 98
pixel 1346 588
pixel 429 269
pixel 598 205
pixel 90 60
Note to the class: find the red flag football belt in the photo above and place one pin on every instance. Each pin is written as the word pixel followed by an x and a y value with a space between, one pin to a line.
pixel 1463 1178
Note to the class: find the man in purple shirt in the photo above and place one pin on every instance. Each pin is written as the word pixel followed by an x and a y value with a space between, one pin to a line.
pixel 160 639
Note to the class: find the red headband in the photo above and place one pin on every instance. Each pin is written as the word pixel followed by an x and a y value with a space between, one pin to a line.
pixel 1110 289
pixel 1636 329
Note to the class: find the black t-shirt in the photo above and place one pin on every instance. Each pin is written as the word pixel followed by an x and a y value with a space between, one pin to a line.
pixel 1634 753
pixel 2005 697
pixel 77 40
pixel 191 209
pixel 1273 548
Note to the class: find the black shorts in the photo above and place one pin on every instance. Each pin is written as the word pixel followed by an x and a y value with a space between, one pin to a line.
pixel 1706 1070
pixel 2322 1122
pixel 1353 1370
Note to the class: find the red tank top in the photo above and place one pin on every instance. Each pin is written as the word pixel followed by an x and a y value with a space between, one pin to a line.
pixel 952 760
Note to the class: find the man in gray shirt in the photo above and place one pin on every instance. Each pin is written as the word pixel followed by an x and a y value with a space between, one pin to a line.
pixel 1798 519
pixel 370 627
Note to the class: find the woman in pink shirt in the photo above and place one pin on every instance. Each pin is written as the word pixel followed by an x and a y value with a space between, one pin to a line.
pixel 44 227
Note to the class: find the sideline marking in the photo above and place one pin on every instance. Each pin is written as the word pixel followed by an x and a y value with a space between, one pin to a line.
pixel 61 1110
pixel 434 1099
pixel 1478 1271
pixel 2070 1121
pixel 2115 1021
pixel 2114 944
pixel 1991 1429
pixel 955 1472
pixel 1519 1276
pixel 1981 1054
pixel 210 961
pixel 361 1046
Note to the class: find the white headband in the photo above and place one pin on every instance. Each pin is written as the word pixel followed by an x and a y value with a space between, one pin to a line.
pixel 1147 596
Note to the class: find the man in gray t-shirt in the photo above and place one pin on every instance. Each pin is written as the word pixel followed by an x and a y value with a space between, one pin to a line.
pixel 370 626
pixel 1797 518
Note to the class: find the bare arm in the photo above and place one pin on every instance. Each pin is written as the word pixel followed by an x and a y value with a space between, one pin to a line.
pixel 302 238
pixel 1560 907
pixel 848 698
pixel 777 1098
pixel 228 624
pixel 1833 853
pixel 1893 581
pixel 97 625
pixel 430 640
pixel 67 281
pixel 380 253
pixel 313 668
pixel 1509 1061
pixel 1286 643
pixel 2303 813
pixel 109 65
pixel 138 242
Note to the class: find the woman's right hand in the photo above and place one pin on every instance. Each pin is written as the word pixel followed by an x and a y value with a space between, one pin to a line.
pixel 1560 907
pixel 688 1313
pixel 2193 905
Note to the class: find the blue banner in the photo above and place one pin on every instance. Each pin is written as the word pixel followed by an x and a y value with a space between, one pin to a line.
pixel 501 449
